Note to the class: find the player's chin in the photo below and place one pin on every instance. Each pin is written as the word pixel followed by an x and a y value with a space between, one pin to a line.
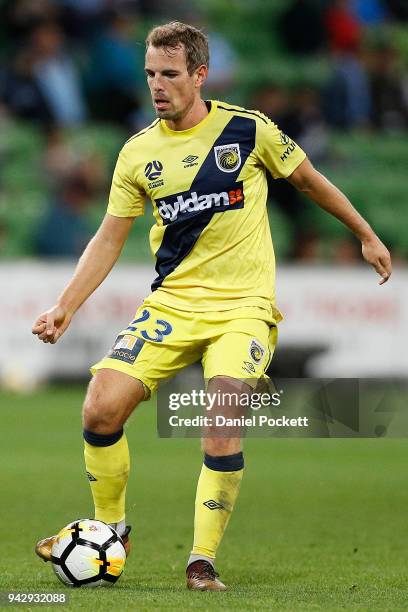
pixel 165 114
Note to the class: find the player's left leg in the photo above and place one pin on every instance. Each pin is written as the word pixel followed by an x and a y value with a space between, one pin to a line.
pixel 217 489
pixel 233 363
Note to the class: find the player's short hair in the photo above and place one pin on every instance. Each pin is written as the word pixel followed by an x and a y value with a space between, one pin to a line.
pixel 173 34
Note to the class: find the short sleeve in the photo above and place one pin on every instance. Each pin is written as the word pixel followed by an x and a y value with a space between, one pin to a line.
pixel 276 151
pixel 126 198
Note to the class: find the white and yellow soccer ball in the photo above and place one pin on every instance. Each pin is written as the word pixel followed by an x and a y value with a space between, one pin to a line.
pixel 88 553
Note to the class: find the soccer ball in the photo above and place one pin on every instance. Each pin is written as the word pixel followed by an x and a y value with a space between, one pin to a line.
pixel 88 553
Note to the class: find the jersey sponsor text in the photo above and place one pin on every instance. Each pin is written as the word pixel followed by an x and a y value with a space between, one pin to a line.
pixel 192 202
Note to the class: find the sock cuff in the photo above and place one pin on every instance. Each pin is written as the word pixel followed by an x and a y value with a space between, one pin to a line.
pixel 96 439
pixel 226 463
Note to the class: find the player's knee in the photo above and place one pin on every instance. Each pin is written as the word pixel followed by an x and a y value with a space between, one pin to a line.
pixel 99 417
pixel 100 414
pixel 110 400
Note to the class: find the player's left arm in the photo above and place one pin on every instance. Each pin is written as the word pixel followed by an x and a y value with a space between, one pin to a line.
pixel 318 188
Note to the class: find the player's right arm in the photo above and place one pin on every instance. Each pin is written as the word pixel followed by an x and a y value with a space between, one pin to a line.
pixel 126 201
pixel 93 267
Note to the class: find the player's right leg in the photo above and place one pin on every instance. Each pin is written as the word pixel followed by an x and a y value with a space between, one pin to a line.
pixel 111 398
pixel 150 349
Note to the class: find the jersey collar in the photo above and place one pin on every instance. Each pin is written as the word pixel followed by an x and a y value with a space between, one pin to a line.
pixel 195 128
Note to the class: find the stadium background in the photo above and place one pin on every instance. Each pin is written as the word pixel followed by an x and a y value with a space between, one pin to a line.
pixel 333 75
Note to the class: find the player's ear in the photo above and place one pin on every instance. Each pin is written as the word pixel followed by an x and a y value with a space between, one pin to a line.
pixel 200 75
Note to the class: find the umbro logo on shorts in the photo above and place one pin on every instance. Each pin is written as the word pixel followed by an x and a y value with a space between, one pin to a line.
pixel 249 367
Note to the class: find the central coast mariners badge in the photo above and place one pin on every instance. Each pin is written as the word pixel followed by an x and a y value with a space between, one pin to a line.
pixel 228 157
pixel 256 351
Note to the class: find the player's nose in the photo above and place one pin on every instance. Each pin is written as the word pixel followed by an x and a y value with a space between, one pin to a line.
pixel 155 82
pixel 157 87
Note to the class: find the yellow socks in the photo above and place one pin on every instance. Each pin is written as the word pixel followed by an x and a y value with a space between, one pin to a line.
pixel 107 465
pixel 217 491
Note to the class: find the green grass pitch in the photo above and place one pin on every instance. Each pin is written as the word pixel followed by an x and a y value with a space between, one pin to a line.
pixel 319 525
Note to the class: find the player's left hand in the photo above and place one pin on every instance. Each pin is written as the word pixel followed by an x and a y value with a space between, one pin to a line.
pixel 377 254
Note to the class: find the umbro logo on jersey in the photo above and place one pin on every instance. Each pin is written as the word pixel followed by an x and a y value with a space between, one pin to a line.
pixel 153 169
pixel 190 160
pixel 192 202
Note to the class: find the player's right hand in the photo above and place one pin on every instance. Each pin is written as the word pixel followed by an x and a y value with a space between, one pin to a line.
pixel 50 325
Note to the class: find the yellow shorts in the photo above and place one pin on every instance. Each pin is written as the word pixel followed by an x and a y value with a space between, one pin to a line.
pixel 160 341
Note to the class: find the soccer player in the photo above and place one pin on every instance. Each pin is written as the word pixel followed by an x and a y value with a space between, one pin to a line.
pixel 203 166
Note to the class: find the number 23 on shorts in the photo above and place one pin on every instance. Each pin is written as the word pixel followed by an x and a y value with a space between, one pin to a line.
pixel 160 329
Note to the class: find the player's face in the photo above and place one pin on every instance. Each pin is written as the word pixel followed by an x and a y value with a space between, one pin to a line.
pixel 172 88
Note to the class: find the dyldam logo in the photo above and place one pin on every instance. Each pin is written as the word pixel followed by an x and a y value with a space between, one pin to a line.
pixel 191 202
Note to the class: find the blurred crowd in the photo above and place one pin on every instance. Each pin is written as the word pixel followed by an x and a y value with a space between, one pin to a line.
pixel 368 86
pixel 67 63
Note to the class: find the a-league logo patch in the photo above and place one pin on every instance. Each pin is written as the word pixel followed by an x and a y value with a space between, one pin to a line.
pixel 256 351
pixel 228 157
pixel 153 169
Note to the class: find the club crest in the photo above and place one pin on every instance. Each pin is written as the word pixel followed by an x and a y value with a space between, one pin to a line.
pixel 228 157
pixel 256 351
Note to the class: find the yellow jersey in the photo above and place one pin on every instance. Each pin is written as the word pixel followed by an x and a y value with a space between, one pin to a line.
pixel 211 240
